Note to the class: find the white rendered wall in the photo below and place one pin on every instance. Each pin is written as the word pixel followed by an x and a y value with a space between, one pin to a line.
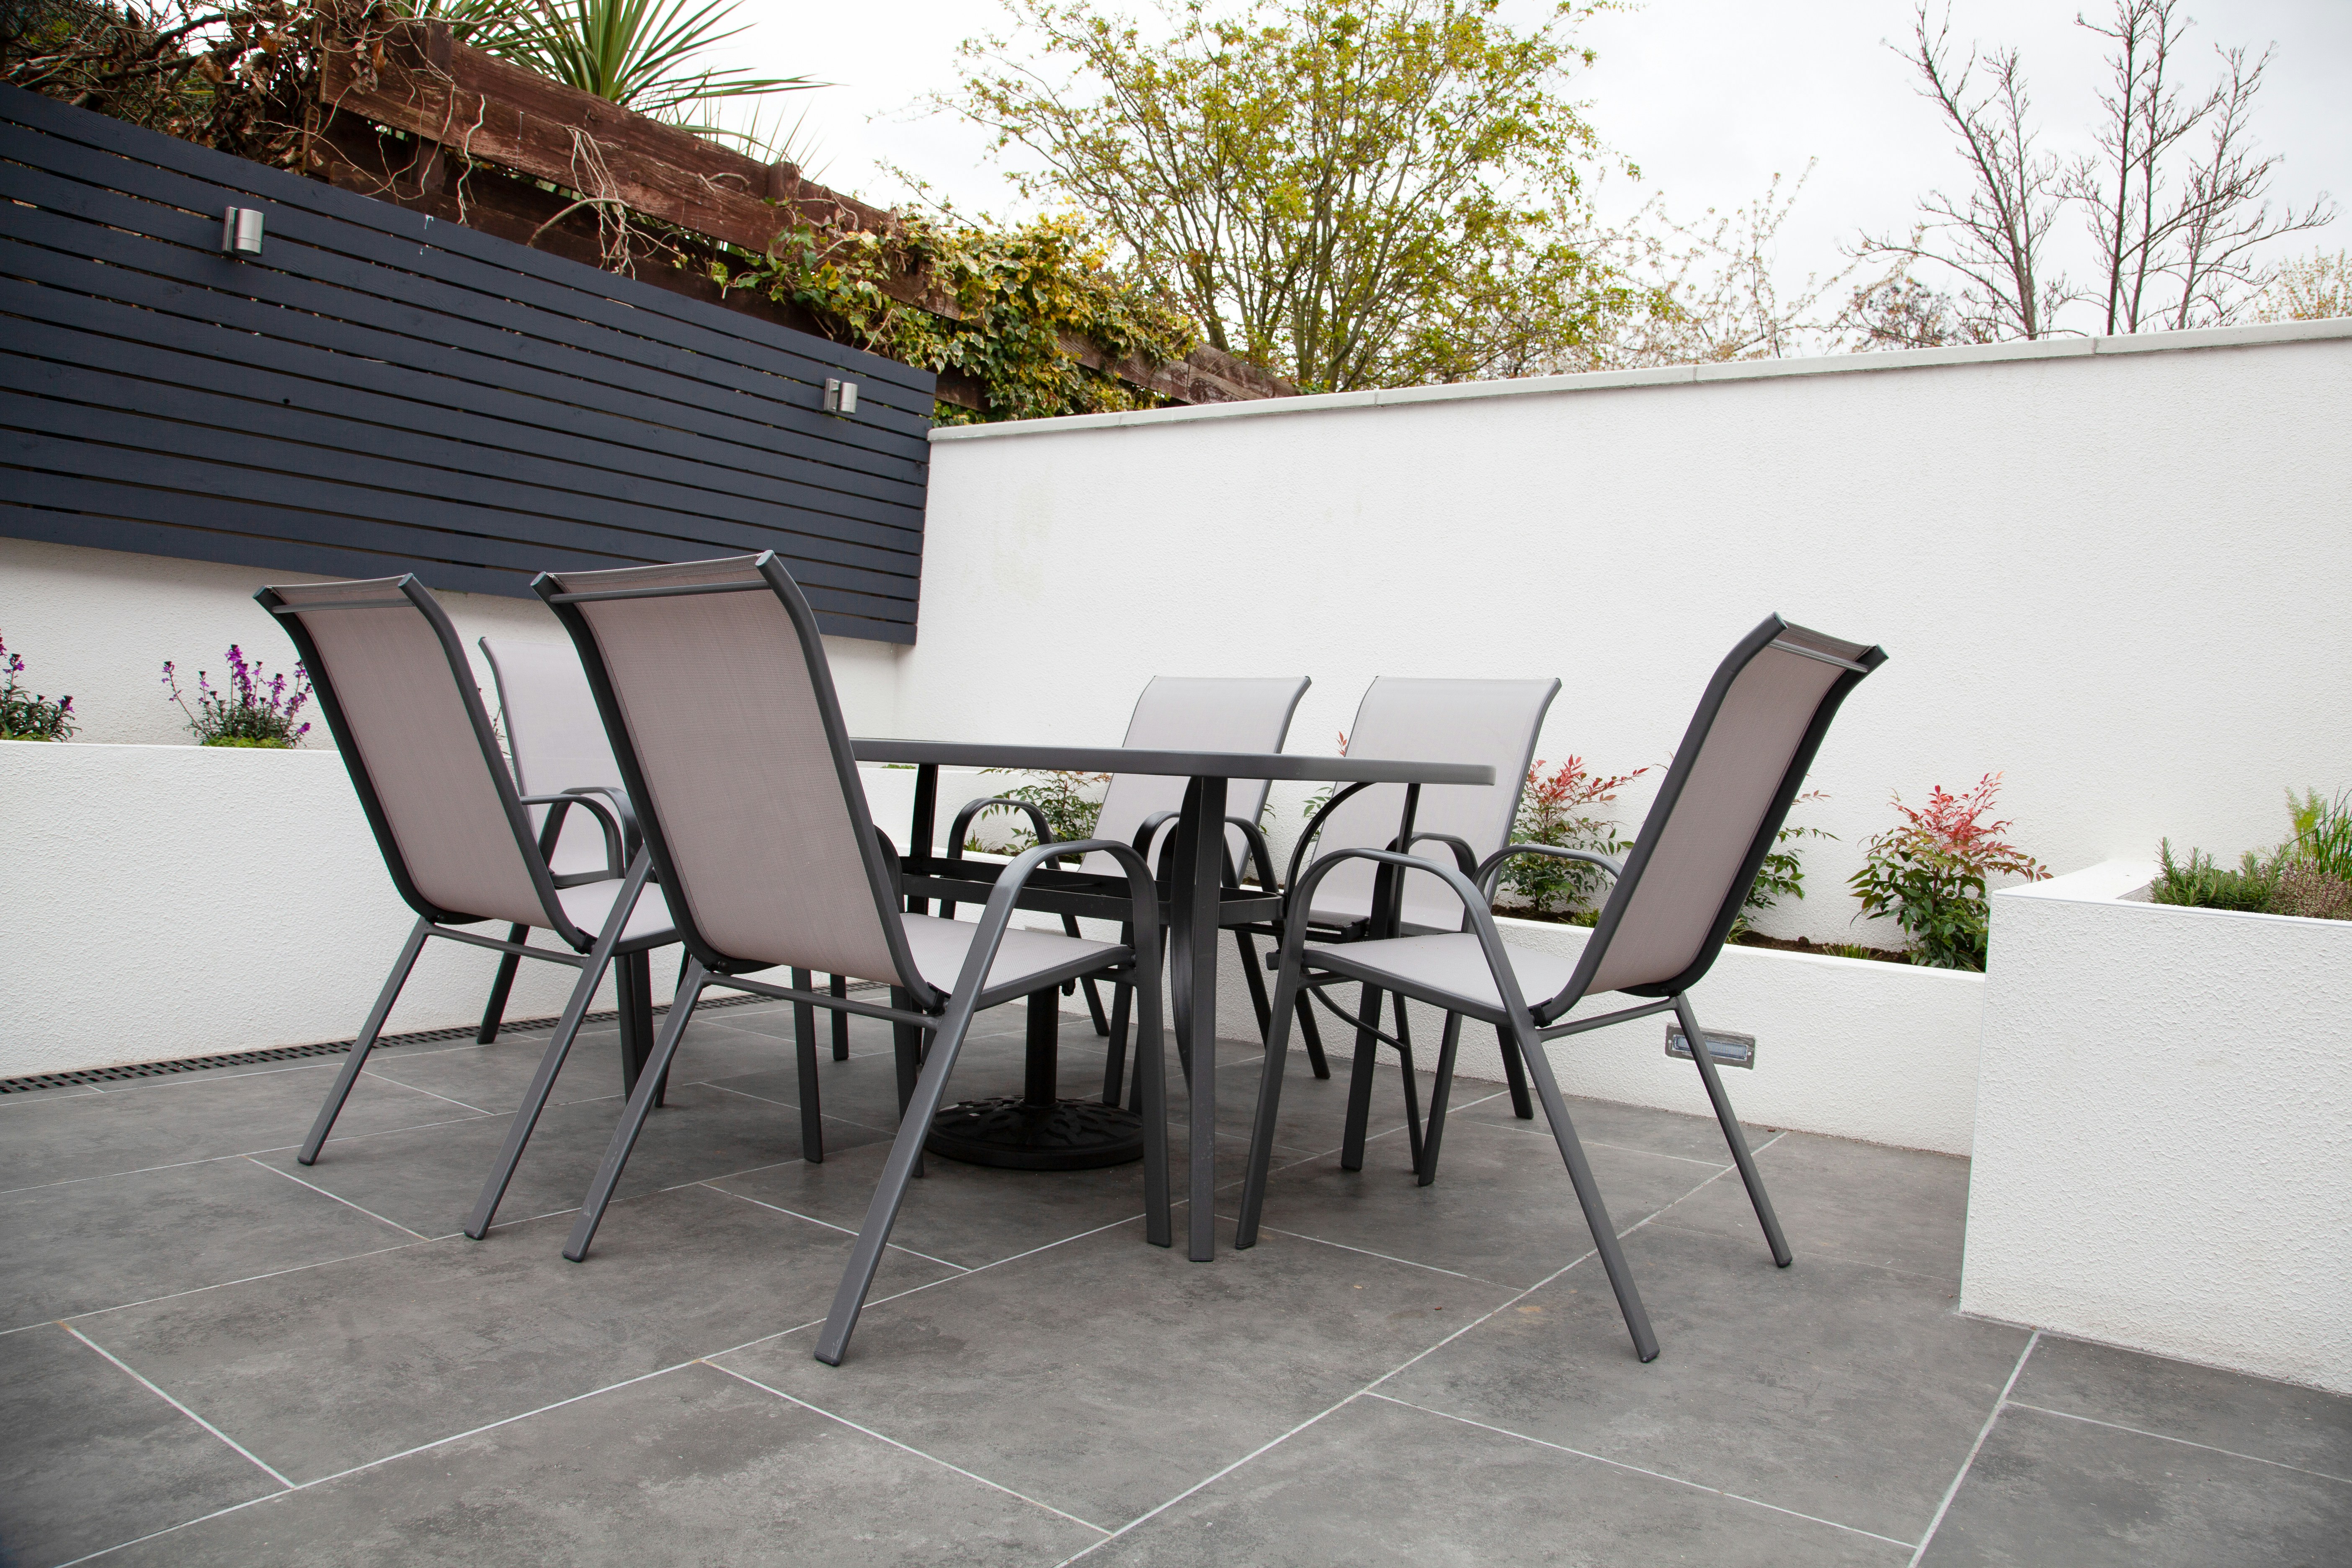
pixel 2115 575
pixel 99 624
pixel 2164 1129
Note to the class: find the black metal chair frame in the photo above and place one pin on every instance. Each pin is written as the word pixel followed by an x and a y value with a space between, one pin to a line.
pixel 1525 1027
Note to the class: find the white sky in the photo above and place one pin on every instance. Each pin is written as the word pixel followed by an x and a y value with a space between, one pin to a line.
pixel 1710 98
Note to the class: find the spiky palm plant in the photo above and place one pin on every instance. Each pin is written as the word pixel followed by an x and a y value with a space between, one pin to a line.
pixel 649 56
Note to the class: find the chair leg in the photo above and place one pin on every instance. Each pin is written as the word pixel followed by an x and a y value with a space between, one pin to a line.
pixel 1256 981
pixel 1288 996
pixel 1094 997
pixel 1412 1084
pixel 906 1043
pixel 494 1009
pixel 1713 1078
pixel 839 988
pixel 632 996
pixel 1588 1194
pixel 633 1119
pixel 1122 997
pixel 1360 1083
pixel 1516 1071
pixel 333 1107
pixel 1439 1092
pixel 1312 1038
pixel 804 1051
pixel 567 1030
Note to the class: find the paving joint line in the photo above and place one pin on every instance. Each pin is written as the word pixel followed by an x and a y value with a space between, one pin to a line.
pixel 1636 1469
pixel 344 1201
pixel 374 1072
pixel 249 1455
pixel 828 1225
pixel 1370 1388
pixel 1935 1521
pixel 2184 1442
pixel 911 1449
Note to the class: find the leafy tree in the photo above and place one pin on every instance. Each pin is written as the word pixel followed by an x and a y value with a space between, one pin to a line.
pixel 2310 288
pixel 1355 194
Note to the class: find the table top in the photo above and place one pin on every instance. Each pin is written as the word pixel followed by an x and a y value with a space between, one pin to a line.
pixel 1179 765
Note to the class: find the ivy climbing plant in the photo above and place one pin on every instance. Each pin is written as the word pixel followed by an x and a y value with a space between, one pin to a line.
pixel 1018 291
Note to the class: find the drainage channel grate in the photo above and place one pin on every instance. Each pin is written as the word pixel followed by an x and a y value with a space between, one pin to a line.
pixel 323 1048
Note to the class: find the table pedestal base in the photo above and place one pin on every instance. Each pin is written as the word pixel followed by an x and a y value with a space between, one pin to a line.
pixel 1014 1134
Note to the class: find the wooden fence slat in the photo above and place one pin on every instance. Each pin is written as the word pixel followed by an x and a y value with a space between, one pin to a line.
pixel 385 394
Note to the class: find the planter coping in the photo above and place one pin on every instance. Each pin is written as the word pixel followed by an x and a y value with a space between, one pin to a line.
pixel 2114 882
pixel 2253 336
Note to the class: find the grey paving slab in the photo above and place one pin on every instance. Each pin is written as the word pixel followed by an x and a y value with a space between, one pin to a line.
pixel 1106 1375
pixel 1376 1482
pixel 1897 1208
pixel 1313 1115
pixel 429 1179
pixel 334 1366
pixel 89 1457
pixel 1842 1391
pixel 100 1243
pixel 689 1467
pixel 2047 1489
pixel 1605 1122
pixel 493 1077
pixel 171 1120
pixel 2276 1421
pixel 967 1214
pixel 1502 1207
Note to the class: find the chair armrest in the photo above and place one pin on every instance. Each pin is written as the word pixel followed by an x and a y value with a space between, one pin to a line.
pixel 557 805
pixel 1314 826
pixel 1488 875
pixel 1462 858
pixel 618 798
pixel 995 803
pixel 1253 840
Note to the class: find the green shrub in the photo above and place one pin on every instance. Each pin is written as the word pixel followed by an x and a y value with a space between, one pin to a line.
pixel 1929 874
pixel 2205 884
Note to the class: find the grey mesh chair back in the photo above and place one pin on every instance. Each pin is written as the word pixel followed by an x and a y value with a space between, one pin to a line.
pixel 400 699
pixel 1203 713
pixel 555 736
pixel 1493 721
pixel 1739 766
pixel 720 708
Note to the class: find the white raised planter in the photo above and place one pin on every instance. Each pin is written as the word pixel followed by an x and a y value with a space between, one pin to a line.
pixel 1850 1048
pixel 2164 1129
pixel 170 901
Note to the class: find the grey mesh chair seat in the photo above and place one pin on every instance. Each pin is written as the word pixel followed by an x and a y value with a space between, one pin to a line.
pixel 1450 970
pixel 589 903
pixel 1740 763
pixel 939 947
pixel 464 845
pixel 717 695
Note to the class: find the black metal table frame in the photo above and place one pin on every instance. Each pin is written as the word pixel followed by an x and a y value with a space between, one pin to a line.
pixel 1196 904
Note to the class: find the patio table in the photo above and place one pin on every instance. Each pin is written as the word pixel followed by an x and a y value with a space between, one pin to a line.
pixel 1198 903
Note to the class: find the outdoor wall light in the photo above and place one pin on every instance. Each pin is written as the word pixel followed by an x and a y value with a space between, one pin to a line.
pixel 840 397
pixel 1729 1050
pixel 241 232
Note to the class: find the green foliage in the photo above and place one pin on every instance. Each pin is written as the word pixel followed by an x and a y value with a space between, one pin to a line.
pixel 1071 801
pixel 1929 874
pixel 650 55
pixel 2309 875
pixel 27 715
pixel 1783 874
pixel 2205 885
pixel 1020 291
pixel 1354 193
pixel 1557 808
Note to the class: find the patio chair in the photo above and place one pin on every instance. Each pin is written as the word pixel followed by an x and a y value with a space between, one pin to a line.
pixel 556 738
pixel 716 692
pixel 1206 713
pixel 456 834
pixel 1493 722
pixel 1741 762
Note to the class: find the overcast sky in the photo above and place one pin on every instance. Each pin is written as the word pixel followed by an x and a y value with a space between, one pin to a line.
pixel 1710 98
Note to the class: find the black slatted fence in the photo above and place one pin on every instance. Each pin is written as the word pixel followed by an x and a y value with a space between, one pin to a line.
pixel 379 392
